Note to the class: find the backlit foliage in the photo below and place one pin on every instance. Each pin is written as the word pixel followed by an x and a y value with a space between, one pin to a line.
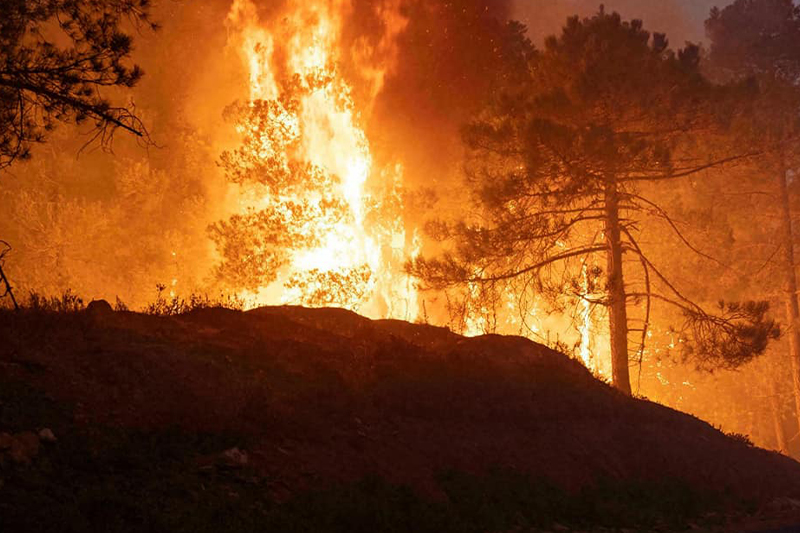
pixel 44 82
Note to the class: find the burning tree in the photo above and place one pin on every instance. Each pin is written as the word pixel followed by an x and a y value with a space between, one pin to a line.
pixel 299 201
pixel 319 223
pixel 561 168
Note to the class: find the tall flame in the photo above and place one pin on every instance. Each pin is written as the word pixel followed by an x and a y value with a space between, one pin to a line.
pixel 368 247
pixel 585 324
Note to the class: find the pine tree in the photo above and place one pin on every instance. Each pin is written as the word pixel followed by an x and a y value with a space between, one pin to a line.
pixel 56 58
pixel 758 42
pixel 560 168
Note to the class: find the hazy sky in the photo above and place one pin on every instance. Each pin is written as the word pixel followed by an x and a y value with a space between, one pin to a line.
pixel 682 20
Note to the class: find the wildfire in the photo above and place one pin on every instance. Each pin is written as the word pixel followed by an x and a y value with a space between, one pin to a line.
pixel 585 326
pixel 352 237
pixel 356 259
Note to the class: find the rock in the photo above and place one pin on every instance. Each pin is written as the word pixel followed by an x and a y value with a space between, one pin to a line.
pixel 5 441
pixel 98 309
pixel 235 457
pixel 46 435
pixel 24 447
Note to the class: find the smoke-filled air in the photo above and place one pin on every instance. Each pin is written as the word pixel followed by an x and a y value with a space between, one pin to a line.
pixel 369 246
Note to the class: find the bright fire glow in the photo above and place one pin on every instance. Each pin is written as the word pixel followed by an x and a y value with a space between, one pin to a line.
pixel 357 260
pixel 585 325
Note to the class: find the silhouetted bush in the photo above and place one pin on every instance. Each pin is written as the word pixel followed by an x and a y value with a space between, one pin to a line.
pixel 177 305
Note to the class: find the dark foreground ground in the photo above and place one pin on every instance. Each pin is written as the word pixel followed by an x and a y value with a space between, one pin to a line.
pixel 288 419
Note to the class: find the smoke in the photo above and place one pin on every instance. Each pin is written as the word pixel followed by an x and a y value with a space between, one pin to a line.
pixel 419 70
pixel 444 68
pixel 446 58
pixel 681 20
pixel 117 224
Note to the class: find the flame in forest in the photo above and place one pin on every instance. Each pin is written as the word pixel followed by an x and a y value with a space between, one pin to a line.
pixel 585 325
pixel 357 259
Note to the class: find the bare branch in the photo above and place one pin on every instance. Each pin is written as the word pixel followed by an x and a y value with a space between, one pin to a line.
pixel 664 215
pixel 682 173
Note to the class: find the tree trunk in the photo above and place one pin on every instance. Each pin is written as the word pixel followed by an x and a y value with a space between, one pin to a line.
pixel 790 286
pixel 780 434
pixel 8 291
pixel 617 305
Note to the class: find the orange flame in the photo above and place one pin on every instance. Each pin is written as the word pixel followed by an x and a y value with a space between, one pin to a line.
pixel 366 249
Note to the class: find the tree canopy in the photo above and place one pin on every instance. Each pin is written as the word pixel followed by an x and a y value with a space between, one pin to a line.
pixel 759 41
pixel 560 168
pixel 294 203
pixel 56 58
pixel 756 37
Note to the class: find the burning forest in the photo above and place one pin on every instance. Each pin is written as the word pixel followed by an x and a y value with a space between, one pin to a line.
pixel 401 262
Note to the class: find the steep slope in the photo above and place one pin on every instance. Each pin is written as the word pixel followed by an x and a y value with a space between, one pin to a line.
pixel 317 398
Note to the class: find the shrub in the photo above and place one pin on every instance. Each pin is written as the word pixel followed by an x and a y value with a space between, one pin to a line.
pixel 67 302
pixel 177 305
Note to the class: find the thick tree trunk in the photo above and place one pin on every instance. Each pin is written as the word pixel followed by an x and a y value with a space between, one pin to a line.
pixel 617 305
pixel 790 286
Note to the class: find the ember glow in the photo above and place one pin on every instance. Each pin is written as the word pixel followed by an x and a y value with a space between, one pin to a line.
pixel 585 324
pixel 310 150
pixel 356 261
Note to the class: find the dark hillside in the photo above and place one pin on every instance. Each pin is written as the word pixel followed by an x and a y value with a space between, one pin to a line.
pixel 325 400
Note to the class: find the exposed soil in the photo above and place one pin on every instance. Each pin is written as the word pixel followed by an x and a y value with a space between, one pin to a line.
pixel 325 398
